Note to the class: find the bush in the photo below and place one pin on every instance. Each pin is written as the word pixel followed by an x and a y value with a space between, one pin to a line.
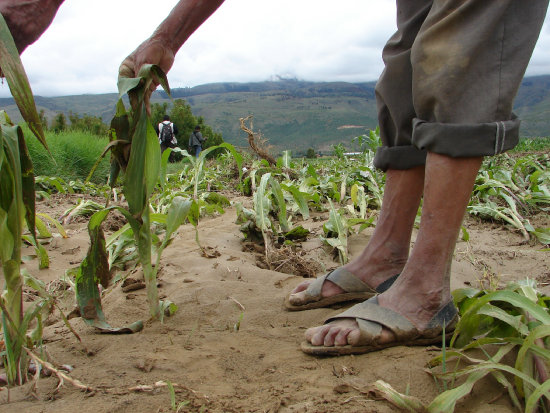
pixel 74 154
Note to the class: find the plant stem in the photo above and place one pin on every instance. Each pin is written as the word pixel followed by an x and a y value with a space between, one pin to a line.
pixel 149 274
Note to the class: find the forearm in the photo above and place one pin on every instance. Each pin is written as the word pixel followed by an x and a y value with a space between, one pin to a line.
pixel 28 19
pixel 183 20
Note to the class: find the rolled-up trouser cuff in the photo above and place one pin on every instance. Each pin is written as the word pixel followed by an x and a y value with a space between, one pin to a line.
pixel 466 140
pixel 399 157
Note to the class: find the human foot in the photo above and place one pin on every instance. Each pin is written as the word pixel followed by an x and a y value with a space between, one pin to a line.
pixel 335 287
pixel 368 327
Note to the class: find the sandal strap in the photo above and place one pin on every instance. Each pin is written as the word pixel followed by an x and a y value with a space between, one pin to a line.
pixel 343 279
pixel 371 319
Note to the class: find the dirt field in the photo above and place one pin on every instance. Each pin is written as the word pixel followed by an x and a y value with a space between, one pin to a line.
pixel 258 368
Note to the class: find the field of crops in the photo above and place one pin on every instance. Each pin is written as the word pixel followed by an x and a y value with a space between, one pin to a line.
pixel 230 345
pixel 163 290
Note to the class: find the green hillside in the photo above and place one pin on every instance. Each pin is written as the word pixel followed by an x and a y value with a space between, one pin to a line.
pixel 291 114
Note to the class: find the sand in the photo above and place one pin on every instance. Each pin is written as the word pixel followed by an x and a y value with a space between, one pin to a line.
pixel 258 367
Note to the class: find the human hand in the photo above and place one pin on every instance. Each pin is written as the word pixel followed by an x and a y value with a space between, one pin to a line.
pixel 152 51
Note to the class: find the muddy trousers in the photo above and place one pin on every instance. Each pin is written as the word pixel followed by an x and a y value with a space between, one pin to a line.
pixel 452 71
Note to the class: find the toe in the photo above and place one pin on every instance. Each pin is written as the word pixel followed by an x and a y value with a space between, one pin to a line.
pixel 316 335
pixel 338 333
pixel 344 336
pixel 301 287
pixel 330 335
pixel 297 298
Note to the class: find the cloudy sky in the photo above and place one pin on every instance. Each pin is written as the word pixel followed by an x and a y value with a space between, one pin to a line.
pixel 245 40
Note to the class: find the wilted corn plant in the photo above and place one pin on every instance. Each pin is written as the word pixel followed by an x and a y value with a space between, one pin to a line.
pixel 198 163
pixel 142 168
pixel 17 203
pixel 509 190
pixel 509 324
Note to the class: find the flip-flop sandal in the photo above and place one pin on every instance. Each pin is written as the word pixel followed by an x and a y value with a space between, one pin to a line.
pixel 355 290
pixel 371 319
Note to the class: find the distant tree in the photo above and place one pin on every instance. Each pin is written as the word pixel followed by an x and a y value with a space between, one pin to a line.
pixel 157 112
pixel 43 119
pixel 87 123
pixel 311 153
pixel 59 123
pixel 185 121
pixel 339 150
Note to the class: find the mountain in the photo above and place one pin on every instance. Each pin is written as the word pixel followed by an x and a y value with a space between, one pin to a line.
pixel 291 114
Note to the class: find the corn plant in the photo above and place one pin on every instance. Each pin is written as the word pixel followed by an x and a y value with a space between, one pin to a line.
pixel 513 323
pixel 509 191
pixel 198 163
pixel 17 204
pixel 142 168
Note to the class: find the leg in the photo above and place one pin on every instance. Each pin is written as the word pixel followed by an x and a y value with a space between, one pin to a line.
pixel 425 278
pixel 388 249
pixel 463 107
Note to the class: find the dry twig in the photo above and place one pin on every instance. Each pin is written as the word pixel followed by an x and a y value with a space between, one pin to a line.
pixel 60 374
pixel 256 141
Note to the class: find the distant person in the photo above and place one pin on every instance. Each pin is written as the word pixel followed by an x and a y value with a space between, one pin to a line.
pixel 167 132
pixel 195 141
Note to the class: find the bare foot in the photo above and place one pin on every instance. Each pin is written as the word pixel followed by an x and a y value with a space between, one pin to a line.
pixel 373 276
pixel 419 309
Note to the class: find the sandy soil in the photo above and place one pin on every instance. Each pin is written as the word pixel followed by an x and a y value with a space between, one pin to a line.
pixel 258 368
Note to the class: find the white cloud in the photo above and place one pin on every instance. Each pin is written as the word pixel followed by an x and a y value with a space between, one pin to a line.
pixel 245 40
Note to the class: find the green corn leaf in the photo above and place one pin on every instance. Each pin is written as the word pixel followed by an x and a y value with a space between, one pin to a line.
pixel 136 185
pixel 281 204
pixel 531 405
pixel 541 331
pixel 167 308
pixel 354 194
pixel 18 82
pixel 468 323
pixel 498 313
pixel 501 378
pixel 43 258
pixel 94 269
pixel 163 166
pixel 301 199
pixel 465 233
pixel 43 230
pixel 177 213
pixel 126 84
pixel 55 222
pixel 447 400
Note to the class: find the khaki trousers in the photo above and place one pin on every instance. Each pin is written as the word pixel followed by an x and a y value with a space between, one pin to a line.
pixel 452 71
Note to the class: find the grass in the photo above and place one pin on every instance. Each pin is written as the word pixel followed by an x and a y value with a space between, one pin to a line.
pixel 74 154
pixel 532 144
